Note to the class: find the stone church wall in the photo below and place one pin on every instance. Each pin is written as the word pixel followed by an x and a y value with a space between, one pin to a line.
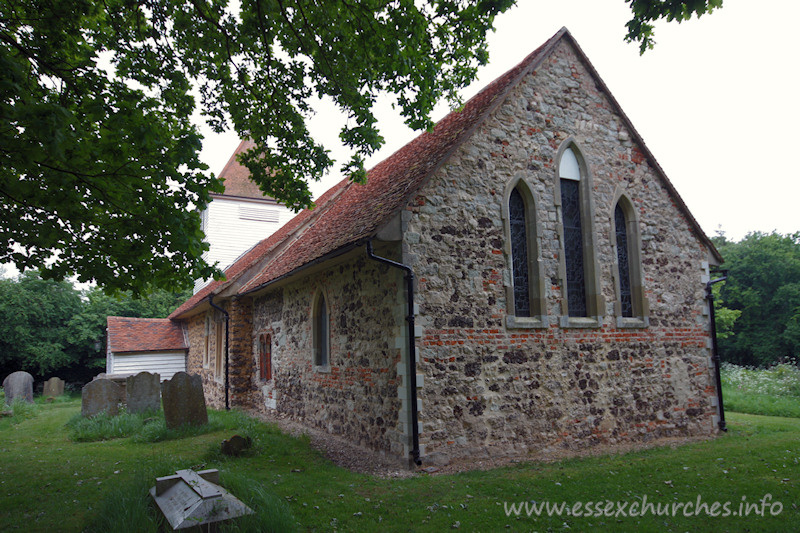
pixel 489 388
pixel 357 397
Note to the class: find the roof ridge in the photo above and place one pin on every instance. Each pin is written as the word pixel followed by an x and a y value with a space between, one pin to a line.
pixel 135 317
pixel 357 211
pixel 283 236
pixel 350 212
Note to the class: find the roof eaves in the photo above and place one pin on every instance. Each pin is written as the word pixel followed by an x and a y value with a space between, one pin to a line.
pixel 247 289
pixel 530 63
pixel 156 350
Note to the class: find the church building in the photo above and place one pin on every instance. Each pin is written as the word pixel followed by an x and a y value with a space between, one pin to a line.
pixel 522 277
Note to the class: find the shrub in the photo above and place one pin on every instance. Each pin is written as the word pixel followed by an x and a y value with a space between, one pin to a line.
pixel 774 391
pixel 780 380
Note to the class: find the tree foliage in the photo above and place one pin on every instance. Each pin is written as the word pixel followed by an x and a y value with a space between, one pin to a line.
pixel 764 285
pixel 724 317
pixel 101 176
pixel 49 327
pixel 645 12
pixel 99 155
pixel 34 322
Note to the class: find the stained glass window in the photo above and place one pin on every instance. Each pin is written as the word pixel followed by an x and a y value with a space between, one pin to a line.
pixel 519 254
pixel 623 262
pixel 573 247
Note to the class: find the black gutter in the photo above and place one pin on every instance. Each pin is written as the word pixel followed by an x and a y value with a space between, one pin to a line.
pixel 714 351
pixel 412 348
pixel 227 320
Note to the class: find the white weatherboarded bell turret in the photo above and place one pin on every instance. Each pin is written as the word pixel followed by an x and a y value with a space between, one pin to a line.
pixel 239 217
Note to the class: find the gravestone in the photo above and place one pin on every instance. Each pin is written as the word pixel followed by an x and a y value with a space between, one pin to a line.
pixel 184 401
pixel 53 387
pixel 18 385
pixel 195 500
pixel 143 392
pixel 100 395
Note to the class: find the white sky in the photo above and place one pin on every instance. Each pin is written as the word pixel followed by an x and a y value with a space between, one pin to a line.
pixel 716 101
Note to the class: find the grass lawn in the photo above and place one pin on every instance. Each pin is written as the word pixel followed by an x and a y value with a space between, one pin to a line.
pixel 48 482
pixel 773 391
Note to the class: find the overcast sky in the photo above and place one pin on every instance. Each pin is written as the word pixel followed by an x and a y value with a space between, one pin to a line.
pixel 716 101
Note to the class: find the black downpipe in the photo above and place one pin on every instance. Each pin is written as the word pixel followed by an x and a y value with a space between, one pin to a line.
pixel 714 350
pixel 227 320
pixel 412 348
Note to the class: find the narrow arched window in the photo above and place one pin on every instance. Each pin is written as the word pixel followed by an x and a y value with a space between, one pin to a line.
pixel 632 308
pixel 265 357
pixel 524 290
pixel 623 263
pixel 570 176
pixel 519 253
pixel 321 332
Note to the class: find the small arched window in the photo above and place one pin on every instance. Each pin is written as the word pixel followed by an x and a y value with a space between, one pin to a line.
pixel 519 253
pixel 632 308
pixel 321 332
pixel 623 263
pixel 265 356
pixel 570 176
pixel 207 343
pixel 525 292
pixel 582 303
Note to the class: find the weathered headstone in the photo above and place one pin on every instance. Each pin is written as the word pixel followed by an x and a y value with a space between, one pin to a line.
pixel 53 387
pixel 100 395
pixel 195 500
pixel 18 385
pixel 144 392
pixel 184 401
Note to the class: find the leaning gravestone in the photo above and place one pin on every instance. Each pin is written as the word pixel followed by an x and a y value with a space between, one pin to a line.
pixel 53 387
pixel 144 392
pixel 184 402
pixel 18 385
pixel 100 395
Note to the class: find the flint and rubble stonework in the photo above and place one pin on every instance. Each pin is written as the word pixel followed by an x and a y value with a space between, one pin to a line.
pixel 212 386
pixel 357 396
pixel 490 387
pixel 486 384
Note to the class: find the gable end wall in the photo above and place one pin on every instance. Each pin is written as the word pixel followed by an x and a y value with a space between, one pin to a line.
pixel 491 387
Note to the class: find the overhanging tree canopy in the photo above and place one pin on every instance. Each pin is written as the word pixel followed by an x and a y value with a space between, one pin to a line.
pixel 98 151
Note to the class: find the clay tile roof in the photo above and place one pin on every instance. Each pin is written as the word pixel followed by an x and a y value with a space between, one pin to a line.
pixel 127 334
pixel 351 213
pixel 361 210
pixel 257 253
pixel 237 177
